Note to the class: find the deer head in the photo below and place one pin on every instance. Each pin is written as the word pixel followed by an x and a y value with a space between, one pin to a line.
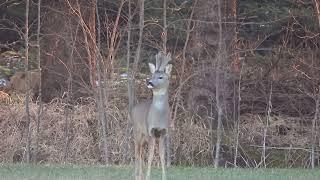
pixel 160 73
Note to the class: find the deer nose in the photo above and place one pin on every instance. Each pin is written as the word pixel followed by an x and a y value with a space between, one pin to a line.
pixel 150 84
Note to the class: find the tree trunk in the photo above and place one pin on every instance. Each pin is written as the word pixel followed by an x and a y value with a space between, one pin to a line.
pixel 40 85
pixel 100 94
pixel 129 86
pixel 26 69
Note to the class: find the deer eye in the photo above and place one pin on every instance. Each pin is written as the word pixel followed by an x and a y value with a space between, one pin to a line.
pixel 160 77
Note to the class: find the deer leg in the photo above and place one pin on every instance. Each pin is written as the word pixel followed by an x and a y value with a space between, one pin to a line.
pixel 137 160
pixel 162 148
pixel 141 160
pixel 150 158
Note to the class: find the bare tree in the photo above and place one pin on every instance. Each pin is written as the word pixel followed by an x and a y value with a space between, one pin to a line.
pixel 100 97
pixel 164 44
pixel 68 119
pixel 184 52
pixel 132 71
pixel 138 50
pixel 26 69
pixel 165 28
pixel 178 99
pixel 59 20
pixel 129 85
pixel 40 84
pixel 237 67
pixel 112 42
pixel 68 96
pixel 218 88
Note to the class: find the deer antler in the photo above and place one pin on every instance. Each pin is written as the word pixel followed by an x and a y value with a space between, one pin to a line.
pixel 162 60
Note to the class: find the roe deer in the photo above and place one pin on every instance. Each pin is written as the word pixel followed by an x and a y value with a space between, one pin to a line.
pixel 151 118
pixel 18 83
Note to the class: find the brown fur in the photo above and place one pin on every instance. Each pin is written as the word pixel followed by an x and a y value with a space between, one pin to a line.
pixel 18 82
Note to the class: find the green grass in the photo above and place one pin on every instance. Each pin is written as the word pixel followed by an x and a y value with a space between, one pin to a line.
pixel 51 172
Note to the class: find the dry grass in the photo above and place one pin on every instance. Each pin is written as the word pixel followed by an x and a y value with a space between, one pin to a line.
pixel 282 131
pixel 191 138
pixel 4 97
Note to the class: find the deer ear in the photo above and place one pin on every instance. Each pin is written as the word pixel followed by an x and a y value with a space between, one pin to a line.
pixel 152 68
pixel 168 69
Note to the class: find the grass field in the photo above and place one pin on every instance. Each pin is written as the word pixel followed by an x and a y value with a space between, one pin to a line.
pixel 37 172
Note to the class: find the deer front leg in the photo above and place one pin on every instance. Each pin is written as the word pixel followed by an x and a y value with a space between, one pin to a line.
pixel 139 159
pixel 150 158
pixel 162 156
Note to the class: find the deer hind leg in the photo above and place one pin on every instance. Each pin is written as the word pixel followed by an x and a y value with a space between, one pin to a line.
pixel 162 156
pixel 151 154
pixel 138 159
pixel 142 159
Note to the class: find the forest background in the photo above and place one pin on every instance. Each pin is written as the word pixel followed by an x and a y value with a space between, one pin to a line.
pixel 244 90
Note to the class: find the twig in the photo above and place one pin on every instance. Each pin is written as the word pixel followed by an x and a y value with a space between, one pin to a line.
pixel 284 148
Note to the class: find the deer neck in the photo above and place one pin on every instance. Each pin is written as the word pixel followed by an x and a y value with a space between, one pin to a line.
pixel 160 99
pixel 159 111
